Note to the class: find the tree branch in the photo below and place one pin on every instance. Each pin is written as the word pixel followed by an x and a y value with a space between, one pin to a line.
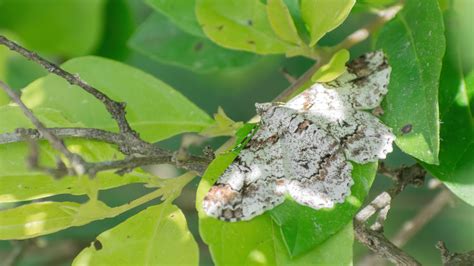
pixel 76 161
pixel 373 238
pixel 377 242
pixel 116 109
pixel 454 259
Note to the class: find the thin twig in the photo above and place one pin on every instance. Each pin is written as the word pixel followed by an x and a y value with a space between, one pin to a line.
pixel 116 109
pixel 75 160
pixel 454 259
pixel 377 242
pixel 373 238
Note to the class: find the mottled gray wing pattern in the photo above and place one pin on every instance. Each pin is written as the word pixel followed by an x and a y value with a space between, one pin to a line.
pixel 253 183
pixel 317 173
pixel 303 148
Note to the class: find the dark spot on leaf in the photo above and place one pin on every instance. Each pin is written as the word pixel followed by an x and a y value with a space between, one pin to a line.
pixel 250 42
pixel 69 188
pixel 249 22
pixel 220 27
pixel 172 215
pixel 406 128
pixel 128 236
pixel 97 245
pixel 198 46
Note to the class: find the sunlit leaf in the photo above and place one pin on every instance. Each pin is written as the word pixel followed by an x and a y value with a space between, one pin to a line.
pixel 282 22
pixel 154 109
pixel 333 69
pixel 19 183
pixel 239 24
pixel 322 16
pixel 414 43
pixel 155 236
pixel 224 126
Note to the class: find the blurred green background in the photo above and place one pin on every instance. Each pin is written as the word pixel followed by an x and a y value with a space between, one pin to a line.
pixel 60 30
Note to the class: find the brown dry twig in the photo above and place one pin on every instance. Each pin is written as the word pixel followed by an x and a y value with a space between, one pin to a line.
pixel 454 259
pixel 373 237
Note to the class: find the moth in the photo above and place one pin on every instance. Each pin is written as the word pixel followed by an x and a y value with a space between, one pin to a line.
pixel 304 148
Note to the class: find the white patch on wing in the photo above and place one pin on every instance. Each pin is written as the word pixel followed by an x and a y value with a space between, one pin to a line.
pixel 304 147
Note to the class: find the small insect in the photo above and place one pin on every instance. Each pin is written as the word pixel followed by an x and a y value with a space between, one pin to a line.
pixel 303 148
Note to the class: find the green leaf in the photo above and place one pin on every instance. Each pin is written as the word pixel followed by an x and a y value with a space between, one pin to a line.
pixel 16 70
pixel 322 16
pixel 304 228
pixel 36 219
pixel 456 156
pixel 162 41
pixel 414 43
pixel 181 13
pixel 118 28
pixel 19 183
pixel 333 69
pixel 470 89
pixel 41 218
pixel 154 109
pixel 465 34
pixel 68 28
pixel 224 126
pixel 157 235
pixel 239 24
pixel 282 22
pixel 259 240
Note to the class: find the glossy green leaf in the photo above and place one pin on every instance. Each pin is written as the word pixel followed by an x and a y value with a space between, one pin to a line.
pixel 304 228
pixel 456 156
pixel 239 24
pixel 155 236
pixel 333 69
pixel 19 183
pixel 282 22
pixel 68 28
pixel 154 109
pixel 259 240
pixel 322 16
pixel 162 41
pixel 181 13
pixel 414 43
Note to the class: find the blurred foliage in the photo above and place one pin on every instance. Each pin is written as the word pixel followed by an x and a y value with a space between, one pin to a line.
pixel 210 52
